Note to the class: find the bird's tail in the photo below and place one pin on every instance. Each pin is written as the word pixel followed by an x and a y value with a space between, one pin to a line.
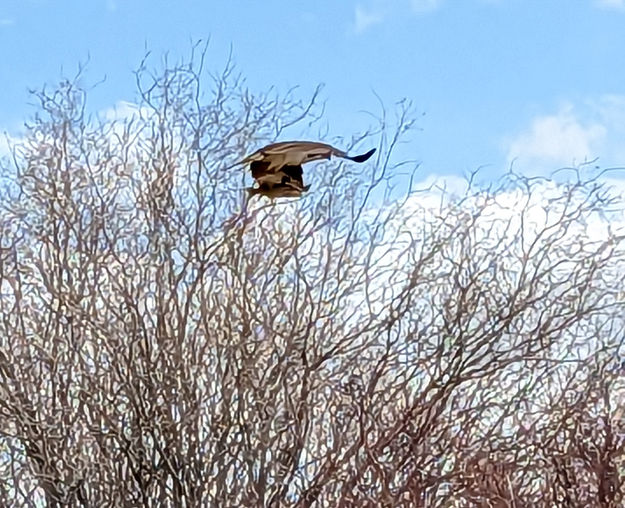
pixel 363 157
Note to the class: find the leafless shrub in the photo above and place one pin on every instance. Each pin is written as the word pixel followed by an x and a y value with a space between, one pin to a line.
pixel 165 343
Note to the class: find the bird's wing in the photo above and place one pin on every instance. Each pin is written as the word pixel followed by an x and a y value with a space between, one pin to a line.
pixel 361 158
pixel 298 146
pixel 311 149
pixel 295 153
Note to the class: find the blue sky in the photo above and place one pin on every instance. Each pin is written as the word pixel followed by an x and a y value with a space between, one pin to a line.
pixel 538 81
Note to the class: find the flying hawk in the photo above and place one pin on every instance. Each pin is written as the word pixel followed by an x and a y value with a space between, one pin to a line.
pixel 277 168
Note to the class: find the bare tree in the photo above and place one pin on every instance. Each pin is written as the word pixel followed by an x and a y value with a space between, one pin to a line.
pixel 165 342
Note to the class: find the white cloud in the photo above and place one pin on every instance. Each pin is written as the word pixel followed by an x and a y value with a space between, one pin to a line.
pixel 6 141
pixel 616 185
pixel 365 18
pixel 559 139
pixel 611 4
pixel 574 134
pixel 117 116
pixel 425 5
pixel 124 110
pixel 508 216
pixel 4 146
pixel 374 12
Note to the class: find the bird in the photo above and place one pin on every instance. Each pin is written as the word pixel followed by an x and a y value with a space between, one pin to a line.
pixel 277 168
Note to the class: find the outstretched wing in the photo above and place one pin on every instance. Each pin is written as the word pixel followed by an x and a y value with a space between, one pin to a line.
pixel 273 157
pixel 292 148
pixel 361 158
pixel 292 153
